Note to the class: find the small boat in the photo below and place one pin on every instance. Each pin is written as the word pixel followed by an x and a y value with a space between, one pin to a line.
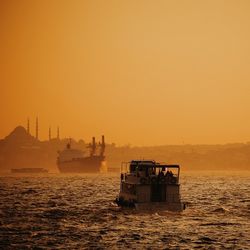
pixel 150 185
pixel 29 170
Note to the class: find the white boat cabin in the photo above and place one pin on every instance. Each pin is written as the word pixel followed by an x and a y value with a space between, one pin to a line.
pixel 147 183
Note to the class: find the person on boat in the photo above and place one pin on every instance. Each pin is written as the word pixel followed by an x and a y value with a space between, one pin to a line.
pixel 161 174
pixel 153 172
pixel 167 174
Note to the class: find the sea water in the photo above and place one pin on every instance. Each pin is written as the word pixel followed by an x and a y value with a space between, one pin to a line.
pixel 77 212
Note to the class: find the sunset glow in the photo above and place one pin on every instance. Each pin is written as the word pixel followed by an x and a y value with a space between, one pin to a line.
pixel 140 72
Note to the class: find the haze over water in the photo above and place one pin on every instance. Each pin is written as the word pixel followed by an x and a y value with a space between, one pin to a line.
pixel 76 212
pixel 140 72
pixel 171 76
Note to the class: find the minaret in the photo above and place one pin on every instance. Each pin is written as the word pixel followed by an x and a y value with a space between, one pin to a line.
pixel 58 133
pixel 28 125
pixel 37 128
pixel 49 133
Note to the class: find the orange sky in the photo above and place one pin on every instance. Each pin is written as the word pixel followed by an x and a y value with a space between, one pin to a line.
pixel 140 72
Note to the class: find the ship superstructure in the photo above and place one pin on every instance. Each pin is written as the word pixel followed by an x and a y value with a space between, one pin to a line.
pixel 74 161
pixel 150 185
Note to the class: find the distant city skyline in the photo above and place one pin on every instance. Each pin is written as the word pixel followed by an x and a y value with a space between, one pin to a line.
pixel 57 135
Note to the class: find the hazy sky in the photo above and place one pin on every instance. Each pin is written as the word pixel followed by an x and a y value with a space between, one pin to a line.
pixel 140 72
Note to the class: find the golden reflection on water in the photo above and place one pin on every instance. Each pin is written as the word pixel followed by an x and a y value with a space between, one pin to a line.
pixel 55 211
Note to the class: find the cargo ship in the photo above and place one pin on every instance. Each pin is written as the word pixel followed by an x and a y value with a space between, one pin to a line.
pixel 73 160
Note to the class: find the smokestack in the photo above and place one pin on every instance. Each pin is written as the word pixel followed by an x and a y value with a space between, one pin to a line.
pixel 37 128
pixel 49 133
pixel 102 146
pixel 28 125
pixel 58 133
pixel 93 146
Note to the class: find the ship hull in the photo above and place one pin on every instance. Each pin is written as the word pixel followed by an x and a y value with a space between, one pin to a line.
pixel 90 164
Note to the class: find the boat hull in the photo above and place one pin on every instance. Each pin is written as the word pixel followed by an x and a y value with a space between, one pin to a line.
pixel 170 206
pixel 173 206
pixel 92 164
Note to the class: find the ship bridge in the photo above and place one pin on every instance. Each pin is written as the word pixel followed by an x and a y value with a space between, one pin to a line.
pixel 70 154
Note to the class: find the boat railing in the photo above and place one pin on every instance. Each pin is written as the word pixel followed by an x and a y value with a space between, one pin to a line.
pixel 125 167
pixel 150 169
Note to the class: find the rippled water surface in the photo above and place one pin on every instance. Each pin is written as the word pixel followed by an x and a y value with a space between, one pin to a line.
pixel 76 212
